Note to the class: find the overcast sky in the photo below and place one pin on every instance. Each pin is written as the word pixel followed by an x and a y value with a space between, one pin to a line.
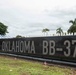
pixel 29 17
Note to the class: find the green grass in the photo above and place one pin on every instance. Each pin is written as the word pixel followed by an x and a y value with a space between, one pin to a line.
pixel 15 66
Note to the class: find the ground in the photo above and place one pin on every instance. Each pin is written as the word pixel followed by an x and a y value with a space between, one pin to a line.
pixel 18 66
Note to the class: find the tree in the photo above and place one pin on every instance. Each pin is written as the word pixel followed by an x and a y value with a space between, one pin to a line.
pixel 3 29
pixel 45 30
pixel 72 28
pixel 59 30
pixel 19 36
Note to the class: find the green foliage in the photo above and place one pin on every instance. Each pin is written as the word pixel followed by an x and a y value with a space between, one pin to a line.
pixel 3 29
pixel 45 30
pixel 59 30
pixel 72 28
pixel 19 36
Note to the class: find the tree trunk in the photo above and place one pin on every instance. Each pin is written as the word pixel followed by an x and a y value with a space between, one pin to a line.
pixel 60 34
pixel 73 33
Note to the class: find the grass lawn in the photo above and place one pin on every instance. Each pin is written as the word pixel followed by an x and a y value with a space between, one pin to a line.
pixel 15 66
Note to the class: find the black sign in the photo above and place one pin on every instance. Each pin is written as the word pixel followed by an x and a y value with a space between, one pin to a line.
pixel 55 47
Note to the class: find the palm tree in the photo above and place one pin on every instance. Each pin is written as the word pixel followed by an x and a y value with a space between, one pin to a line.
pixel 59 30
pixel 45 30
pixel 72 28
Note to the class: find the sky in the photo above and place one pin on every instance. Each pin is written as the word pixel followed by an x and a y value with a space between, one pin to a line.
pixel 30 17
